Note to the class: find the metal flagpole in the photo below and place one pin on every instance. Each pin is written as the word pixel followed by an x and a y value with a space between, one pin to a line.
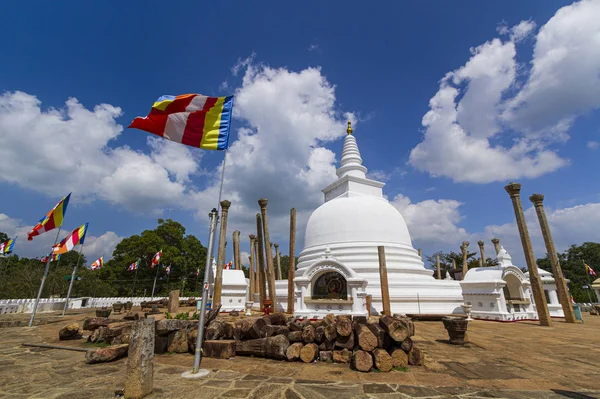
pixel 155 277
pixel 72 280
pixel 589 289
pixel 37 300
pixel 134 280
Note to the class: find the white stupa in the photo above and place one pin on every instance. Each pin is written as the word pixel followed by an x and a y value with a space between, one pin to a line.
pixel 339 265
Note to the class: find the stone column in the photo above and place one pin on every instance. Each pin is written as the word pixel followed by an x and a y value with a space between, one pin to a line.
pixel 262 281
pixel 221 254
pixel 252 272
pixel 437 265
pixel 278 257
pixel 496 243
pixel 173 304
pixel 383 278
pixel 561 284
pixel 465 253
pixel 270 267
pixel 139 375
pixel 236 250
pixel 421 254
pixel 292 262
pixel 514 189
pixel 482 252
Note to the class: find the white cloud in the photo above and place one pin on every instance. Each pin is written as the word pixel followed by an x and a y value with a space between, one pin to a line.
pixel 94 247
pixel 467 137
pixel 592 145
pixel 57 151
pixel 313 47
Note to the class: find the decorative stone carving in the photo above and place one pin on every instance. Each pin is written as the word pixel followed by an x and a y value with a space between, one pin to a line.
pixel 457 328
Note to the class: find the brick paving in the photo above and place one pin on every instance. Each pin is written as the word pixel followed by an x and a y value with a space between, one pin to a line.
pixel 519 360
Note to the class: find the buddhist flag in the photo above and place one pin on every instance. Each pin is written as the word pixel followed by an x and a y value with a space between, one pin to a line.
pixel 75 237
pixel 589 270
pixel 156 259
pixel 53 258
pixel 7 246
pixel 52 220
pixel 134 266
pixel 168 269
pixel 98 263
pixel 190 119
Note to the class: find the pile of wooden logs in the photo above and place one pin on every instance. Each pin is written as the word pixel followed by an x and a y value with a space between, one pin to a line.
pixel 382 343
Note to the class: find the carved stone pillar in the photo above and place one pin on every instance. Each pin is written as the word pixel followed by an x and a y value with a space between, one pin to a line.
pixel 437 266
pixel 269 253
pixel 421 254
pixel 252 271
pixel 292 263
pixel 482 261
pixel 496 243
pixel 514 189
pixel 383 279
pixel 236 250
pixel 465 253
pixel 221 253
pixel 278 258
pixel 262 278
pixel 561 284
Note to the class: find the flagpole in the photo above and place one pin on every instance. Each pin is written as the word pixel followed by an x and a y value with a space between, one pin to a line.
pixel 134 281
pixel 588 279
pixel 72 279
pixel 37 300
pixel 155 277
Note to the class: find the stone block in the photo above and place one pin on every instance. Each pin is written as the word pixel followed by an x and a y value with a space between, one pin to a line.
pixel 69 332
pixel 165 326
pixel 139 377
pixel 178 342
pixel 107 354
pixel 161 344
pixel 222 349
pixel 173 301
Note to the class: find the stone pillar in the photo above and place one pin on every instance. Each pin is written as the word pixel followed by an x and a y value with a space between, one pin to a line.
pixel 465 253
pixel 383 278
pixel 236 251
pixel 252 272
pixel 561 285
pixel 421 254
pixel 221 254
pixel 262 281
pixel 482 252
pixel 437 266
pixel 368 300
pixel 173 302
pixel 496 243
pixel 514 189
pixel 139 376
pixel 270 267
pixel 278 258
pixel 292 261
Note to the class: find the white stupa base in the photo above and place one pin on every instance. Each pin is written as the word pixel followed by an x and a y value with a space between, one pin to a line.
pixel 191 375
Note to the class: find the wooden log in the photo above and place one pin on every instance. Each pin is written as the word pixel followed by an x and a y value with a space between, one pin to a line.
pixel 277 319
pixel 309 352
pixel 262 278
pixel 255 329
pixel 278 264
pixel 295 336
pixel 107 354
pixel 292 264
pixel 362 361
pixel 319 334
pixel 252 271
pixel 406 345
pixel 383 339
pixel 228 327
pixel 271 347
pixel 359 320
pixel 327 346
pixel 382 359
pixel 294 326
pixel 330 332
pixel 343 356
pixel 397 329
pixel 270 330
pixel 415 356
pixel 308 334
pixel 372 320
pixel 343 327
pixel 326 356
pixel 212 314
pixel 268 251
pixel 236 250
pixel 345 342
pixel 92 323
pixel 399 357
pixel 215 330
pixel 293 351
pixel 383 279
pixel 366 339
pixel 329 319
pixel 222 349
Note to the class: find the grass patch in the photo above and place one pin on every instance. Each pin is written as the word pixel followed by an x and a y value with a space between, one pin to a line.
pixel 401 368
pixel 96 344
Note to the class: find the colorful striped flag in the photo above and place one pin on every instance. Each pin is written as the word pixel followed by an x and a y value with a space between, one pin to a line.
pixel 190 119
pixel 53 258
pixel 75 237
pixel 7 246
pixel 52 220
pixel 156 259
pixel 168 269
pixel 589 270
pixel 134 266
pixel 98 263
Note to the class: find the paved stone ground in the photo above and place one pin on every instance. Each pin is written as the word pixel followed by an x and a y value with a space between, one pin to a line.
pixel 519 360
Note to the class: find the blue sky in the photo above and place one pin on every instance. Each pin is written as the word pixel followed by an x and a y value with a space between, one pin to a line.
pixel 380 66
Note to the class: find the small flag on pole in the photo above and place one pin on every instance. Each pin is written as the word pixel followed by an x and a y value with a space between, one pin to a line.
pixel 134 266
pixel 75 237
pixel 228 265
pixel 52 220
pixel 589 270
pixel 98 263
pixel 190 119
pixel 156 259
pixel 7 246
pixel 52 257
pixel 168 269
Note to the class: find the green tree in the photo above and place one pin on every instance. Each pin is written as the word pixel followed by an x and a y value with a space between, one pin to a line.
pixel 3 236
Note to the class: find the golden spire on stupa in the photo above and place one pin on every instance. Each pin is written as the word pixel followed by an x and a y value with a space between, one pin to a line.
pixel 349 130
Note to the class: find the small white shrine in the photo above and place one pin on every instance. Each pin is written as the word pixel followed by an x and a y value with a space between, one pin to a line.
pixel 339 265
pixel 500 292
pixel 234 290
pixel 550 291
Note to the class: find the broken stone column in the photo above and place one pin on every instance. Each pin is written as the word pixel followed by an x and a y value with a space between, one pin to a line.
pixel 270 267
pixel 292 262
pixel 437 266
pixel 383 278
pixel 262 278
pixel 221 254
pixel 496 243
pixel 482 261
pixel 236 250
pixel 465 253
pixel 173 301
pixel 561 285
pixel 252 272
pixel 514 189
pixel 420 253
pixel 278 258
pixel 139 376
